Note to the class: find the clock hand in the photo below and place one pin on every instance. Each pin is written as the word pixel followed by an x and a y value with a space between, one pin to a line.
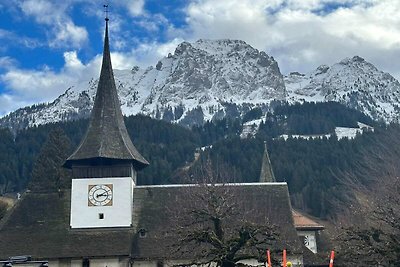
pixel 102 195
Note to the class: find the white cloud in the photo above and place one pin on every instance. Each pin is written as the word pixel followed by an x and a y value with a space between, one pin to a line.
pixel 68 33
pixel 10 102
pixel 33 86
pixel 72 61
pixel 302 34
pixel 143 55
pixel 27 87
pixel 135 7
pixel 7 62
pixel 9 37
pixel 53 14
pixel 149 53
pixel 164 49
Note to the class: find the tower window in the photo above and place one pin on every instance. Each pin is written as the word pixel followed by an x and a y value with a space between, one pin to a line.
pixel 101 216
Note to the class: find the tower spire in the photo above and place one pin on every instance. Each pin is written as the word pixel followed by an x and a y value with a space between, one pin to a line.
pixel 107 142
pixel 267 174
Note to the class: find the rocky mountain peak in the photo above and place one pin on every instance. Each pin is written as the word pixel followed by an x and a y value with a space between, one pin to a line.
pixel 210 79
pixel 222 46
pixel 354 82
pixel 200 81
pixel 355 59
pixel 181 48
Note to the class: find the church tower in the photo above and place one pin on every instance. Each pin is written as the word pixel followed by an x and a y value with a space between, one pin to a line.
pixel 105 164
pixel 267 174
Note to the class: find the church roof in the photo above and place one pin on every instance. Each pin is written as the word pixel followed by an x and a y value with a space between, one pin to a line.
pixel 267 173
pixel 106 138
pixel 39 224
pixel 261 203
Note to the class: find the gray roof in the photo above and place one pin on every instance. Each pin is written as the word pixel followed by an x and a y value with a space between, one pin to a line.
pixel 106 138
pixel 39 224
pixel 261 202
pixel 267 173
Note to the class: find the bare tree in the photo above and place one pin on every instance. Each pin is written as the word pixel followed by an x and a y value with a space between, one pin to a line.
pixel 375 241
pixel 213 224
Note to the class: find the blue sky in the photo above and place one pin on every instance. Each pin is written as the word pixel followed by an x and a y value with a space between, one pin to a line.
pixel 50 45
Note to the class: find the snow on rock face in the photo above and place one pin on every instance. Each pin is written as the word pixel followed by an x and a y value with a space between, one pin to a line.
pixel 210 79
pixel 190 86
pixel 208 73
pixel 353 82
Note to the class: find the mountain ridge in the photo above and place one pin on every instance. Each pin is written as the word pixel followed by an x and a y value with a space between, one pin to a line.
pixel 353 82
pixel 211 79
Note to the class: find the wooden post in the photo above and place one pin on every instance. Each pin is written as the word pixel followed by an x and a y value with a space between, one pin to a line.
pixel 331 259
pixel 269 258
pixel 284 258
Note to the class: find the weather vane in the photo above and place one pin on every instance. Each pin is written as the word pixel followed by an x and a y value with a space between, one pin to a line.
pixel 106 10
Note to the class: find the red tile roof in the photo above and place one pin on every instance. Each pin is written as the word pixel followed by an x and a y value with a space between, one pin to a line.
pixel 302 222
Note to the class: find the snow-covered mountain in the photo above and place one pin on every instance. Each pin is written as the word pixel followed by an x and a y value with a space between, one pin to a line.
pixel 210 79
pixel 200 81
pixel 353 82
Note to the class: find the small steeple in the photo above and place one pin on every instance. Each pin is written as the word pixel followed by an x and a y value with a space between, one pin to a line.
pixel 106 142
pixel 267 174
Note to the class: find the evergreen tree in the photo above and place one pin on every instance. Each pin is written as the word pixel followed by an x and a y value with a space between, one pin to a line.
pixel 48 173
pixel 9 177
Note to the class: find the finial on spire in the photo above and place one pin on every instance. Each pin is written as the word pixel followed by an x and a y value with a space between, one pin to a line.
pixel 106 12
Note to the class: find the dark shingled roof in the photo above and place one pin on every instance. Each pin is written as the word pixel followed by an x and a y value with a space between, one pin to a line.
pixel 39 226
pixel 267 173
pixel 266 201
pixel 106 139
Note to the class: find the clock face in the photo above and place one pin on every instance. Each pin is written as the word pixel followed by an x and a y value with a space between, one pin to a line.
pixel 100 195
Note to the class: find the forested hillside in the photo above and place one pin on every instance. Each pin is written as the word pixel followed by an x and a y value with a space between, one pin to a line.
pixel 317 171
pixel 165 145
pixel 321 173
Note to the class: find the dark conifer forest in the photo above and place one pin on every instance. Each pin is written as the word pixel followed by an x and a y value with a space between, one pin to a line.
pixel 317 171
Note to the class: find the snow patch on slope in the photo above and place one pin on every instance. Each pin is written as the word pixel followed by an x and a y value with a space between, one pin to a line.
pixel 340 132
pixel 250 128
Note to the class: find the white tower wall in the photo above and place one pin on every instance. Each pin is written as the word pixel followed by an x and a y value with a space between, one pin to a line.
pixel 115 213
